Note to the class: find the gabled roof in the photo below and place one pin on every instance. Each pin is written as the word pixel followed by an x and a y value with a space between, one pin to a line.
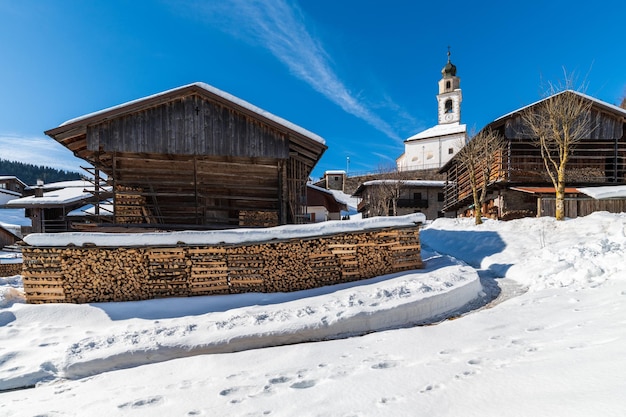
pixel 318 196
pixel 403 184
pixel 9 192
pixel 165 96
pixel 57 198
pixel 12 177
pixel 5 231
pixel 600 103
pixel 439 130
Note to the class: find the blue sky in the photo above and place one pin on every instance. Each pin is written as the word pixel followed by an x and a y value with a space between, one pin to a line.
pixel 361 74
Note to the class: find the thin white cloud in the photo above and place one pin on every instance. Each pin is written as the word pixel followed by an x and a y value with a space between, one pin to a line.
pixel 280 27
pixel 38 151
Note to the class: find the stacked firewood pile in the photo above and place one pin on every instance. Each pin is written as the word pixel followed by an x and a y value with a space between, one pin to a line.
pixel 97 274
pixel 7 270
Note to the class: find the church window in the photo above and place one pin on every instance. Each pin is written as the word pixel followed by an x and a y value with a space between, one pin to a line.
pixel 447 85
pixel 448 106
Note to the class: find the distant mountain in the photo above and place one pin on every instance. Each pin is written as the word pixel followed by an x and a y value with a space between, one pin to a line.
pixel 31 173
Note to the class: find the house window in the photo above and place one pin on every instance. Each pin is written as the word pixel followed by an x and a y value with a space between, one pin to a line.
pixel 417 196
pixel 448 106
pixel 450 151
pixel 439 196
pixel 336 178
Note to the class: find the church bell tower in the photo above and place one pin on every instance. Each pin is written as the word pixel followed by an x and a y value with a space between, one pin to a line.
pixel 449 97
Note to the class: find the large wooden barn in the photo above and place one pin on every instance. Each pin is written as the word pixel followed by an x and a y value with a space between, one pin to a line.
pixel 196 157
pixel 519 184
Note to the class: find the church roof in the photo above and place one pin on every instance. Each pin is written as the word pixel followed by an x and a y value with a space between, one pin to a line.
pixel 439 130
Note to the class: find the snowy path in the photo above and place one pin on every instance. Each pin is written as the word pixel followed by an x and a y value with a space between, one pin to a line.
pixel 77 341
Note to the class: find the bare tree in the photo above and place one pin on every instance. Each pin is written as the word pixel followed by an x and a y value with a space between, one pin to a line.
pixel 384 192
pixel 478 158
pixel 558 123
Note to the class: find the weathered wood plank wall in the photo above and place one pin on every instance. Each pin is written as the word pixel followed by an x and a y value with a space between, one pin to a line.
pixel 576 207
pixel 190 125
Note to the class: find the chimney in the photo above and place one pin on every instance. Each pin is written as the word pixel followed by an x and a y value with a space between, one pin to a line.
pixel 39 189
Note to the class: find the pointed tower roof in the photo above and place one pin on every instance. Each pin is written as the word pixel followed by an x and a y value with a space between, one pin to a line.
pixel 450 69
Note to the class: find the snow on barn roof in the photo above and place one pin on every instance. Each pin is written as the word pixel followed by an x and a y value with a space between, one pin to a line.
pixel 60 197
pixel 106 209
pixel 593 99
pixel 63 184
pixel 600 193
pixel 216 92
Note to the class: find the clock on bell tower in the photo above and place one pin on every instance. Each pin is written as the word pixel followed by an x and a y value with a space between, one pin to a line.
pixel 449 97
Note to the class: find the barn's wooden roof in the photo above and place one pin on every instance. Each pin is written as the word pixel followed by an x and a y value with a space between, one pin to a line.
pixel 73 133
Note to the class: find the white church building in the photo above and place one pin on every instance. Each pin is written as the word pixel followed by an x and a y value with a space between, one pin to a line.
pixel 433 147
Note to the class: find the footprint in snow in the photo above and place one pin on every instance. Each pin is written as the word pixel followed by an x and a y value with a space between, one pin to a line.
pixel 303 384
pixel 150 401
pixel 383 365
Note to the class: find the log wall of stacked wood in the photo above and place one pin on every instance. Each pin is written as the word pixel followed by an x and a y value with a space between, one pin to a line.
pixel 97 274
pixel 8 270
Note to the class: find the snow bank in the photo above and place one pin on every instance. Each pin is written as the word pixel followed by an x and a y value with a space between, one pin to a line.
pixel 219 236
pixel 82 340
pixel 538 252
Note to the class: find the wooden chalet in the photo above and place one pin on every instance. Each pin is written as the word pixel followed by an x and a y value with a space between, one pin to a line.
pixel 196 157
pixel 322 205
pixel 519 185
pixel 8 237
pixel 11 188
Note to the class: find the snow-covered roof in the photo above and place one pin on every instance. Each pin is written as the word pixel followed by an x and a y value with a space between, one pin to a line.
pixel 439 130
pixel 214 91
pixel 12 177
pixel 220 236
pixel 320 189
pixel 63 184
pixel 600 193
pixel 335 172
pixel 60 197
pixel 9 192
pixel 106 209
pixel 408 183
pixel 593 99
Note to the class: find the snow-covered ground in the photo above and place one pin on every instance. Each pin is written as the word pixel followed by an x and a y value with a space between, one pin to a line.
pixel 550 340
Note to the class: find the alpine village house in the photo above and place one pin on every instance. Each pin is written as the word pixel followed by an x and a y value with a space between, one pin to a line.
pixel 519 185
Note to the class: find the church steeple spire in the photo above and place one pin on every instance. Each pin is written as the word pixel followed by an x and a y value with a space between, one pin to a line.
pixel 450 69
pixel 449 97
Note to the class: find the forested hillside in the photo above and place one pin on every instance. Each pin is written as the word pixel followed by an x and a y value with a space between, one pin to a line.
pixel 31 173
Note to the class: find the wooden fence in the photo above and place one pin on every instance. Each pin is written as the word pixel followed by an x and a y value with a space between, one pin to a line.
pixel 578 207
pixel 100 274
